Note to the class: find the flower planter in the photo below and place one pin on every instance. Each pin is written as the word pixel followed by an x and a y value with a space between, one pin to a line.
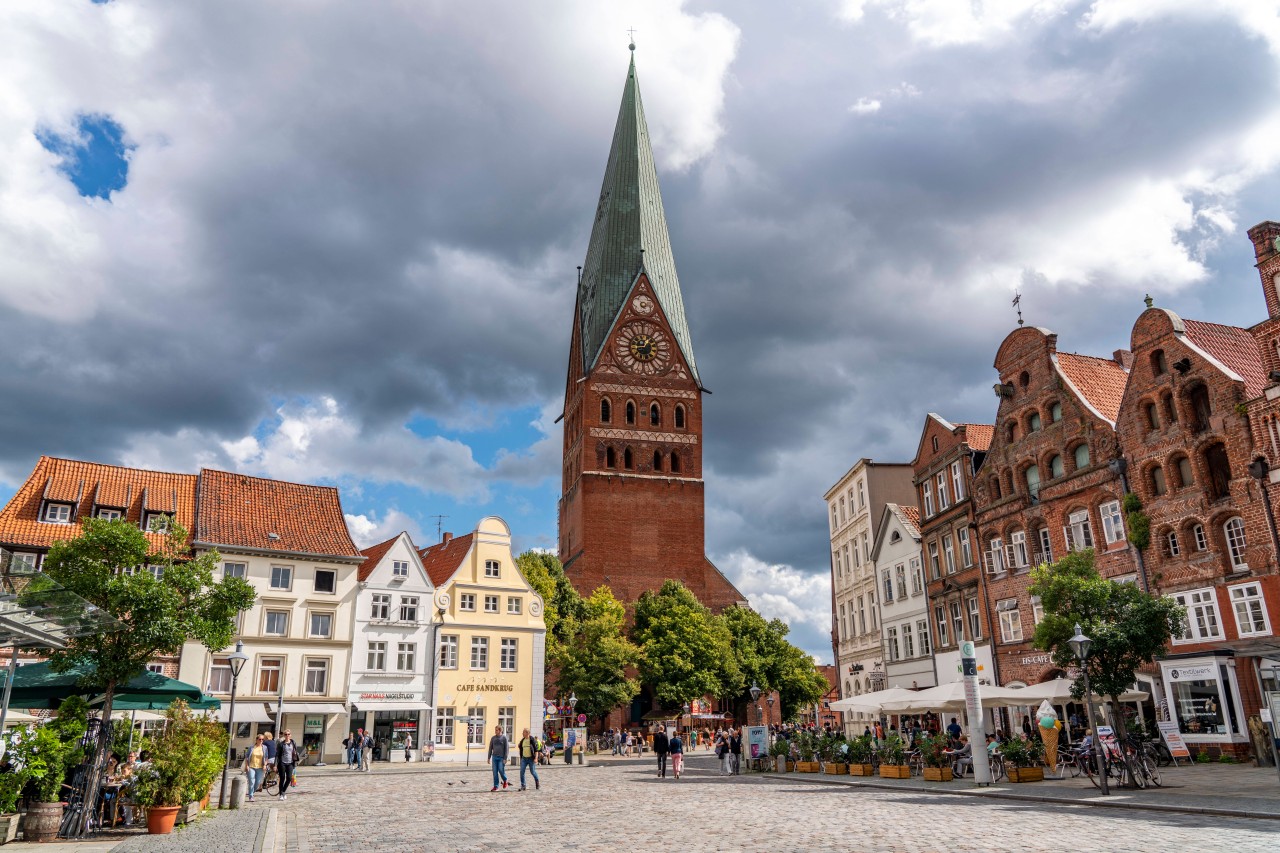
pixel 861 770
pixel 42 822
pixel 808 766
pixel 9 827
pixel 834 769
pixel 187 813
pixel 160 819
pixel 937 774
pixel 895 771
pixel 1026 774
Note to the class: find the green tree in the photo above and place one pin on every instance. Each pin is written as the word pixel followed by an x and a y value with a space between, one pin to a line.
pixel 161 611
pixel 765 657
pixel 594 664
pixel 1129 627
pixel 562 606
pixel 686 652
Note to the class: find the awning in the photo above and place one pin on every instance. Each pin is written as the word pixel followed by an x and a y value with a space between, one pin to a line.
pixel 38 686
pixel 246 712
pixel 382 706
pixel 313 708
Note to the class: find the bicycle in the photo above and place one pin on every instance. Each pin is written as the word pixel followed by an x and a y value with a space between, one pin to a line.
pixel 270 780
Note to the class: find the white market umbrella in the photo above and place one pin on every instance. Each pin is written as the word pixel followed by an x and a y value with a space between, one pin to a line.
pixel 872 702
pixel 1058 692
pixel 950 697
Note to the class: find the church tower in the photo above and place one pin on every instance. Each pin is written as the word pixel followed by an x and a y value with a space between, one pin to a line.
pixel 632 507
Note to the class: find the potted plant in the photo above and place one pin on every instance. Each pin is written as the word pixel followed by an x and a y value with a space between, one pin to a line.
pixel 807 744
pixel 1022 760
pixel 833 754
pixel 893 758
pixel 41 755
pixel 860 756
pixel 780 750
pixel 937 764
pixel 11 784
pixel 179 771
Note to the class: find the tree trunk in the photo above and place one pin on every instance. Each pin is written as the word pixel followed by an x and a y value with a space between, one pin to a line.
pixel 98 761
pixel 1122 738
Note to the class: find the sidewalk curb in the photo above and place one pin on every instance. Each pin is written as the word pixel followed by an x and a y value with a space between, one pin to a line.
pixel 266 840
pixel 1032 798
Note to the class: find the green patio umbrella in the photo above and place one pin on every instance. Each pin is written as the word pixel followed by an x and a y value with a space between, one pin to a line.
pixel 38 686
pixel 140 702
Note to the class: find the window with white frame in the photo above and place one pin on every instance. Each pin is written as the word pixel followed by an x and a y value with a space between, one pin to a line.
pixel 276 623
pixel 862 616
pixel 949 553
pixel 156 668
pixel 381 605
pixel 935 566
pixel 107 514
pixel 492 568
pixel 1046 545
pixel 444 726
pixel 957 620
pixel 156 522
pixel 1234 530
pixel 891 644
pixel 400 568
pixel 966 548
pixel 1202 615
pixel 408 608
pixel 448 651
pixel 1037 610
pixel 326 581
pixel 1112 522
pixel 514 605
pixel 467 601
pixel 1171 546
pixel 1250 610
pixel 507 719
pixel 1018 549
pixel 957 481
pixel 888 586
pixel 941 619
pixel 507 656
pixel 316 682
pixel 917 577
pixel 1010 620
pixel 1078 532
pixel 406 656
pixel 908 641
pixel 836 561
pixel 479 652
pixel 900 575
pixel 321 626
pixel 377 655
pixel 875 614
pixel 1202 541
pixel 975 621
pixel 220 675
pixel 866 547
pixel 922 631
pixel 928 498
pixel 491 604
pixel 997 559
pixel 844 511
pixel 476 730
pixel 28 558
pixel 862 496
pixel 943 500
pixel 57 513
pixel 281 577
pixel 234 570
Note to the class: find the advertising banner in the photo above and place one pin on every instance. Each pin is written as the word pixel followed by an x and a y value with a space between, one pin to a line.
pixel 757 741
pixel 1173 739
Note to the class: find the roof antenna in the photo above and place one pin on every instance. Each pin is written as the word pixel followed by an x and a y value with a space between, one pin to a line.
pixel 439 526
pixel 1017 303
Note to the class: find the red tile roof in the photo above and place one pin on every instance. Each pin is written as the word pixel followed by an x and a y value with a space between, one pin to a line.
pixel 270 515
pixel 1234 347
pixel 1100 380
pixel 911 513
pixel 978 436
pixel 374 555
pixel 90 485
pixel 442 560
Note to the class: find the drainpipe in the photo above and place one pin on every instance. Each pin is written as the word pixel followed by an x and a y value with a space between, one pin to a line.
pixel 1118 467
pixel 1258 470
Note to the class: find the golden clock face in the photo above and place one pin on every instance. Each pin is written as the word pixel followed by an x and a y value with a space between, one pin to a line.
pixel 643 348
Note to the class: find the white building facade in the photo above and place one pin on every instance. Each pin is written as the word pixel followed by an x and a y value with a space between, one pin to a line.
pixel 904 602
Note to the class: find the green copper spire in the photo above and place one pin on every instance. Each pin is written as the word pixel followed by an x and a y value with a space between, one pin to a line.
pixel 629 234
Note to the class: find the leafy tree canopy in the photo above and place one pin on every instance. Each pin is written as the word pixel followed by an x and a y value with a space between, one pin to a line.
pixel 594 664
pixel 563 607
pixel 687 652
pixel 765 657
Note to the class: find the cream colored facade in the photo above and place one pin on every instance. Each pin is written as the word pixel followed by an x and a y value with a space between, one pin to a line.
pixel 298 636
pixel 492 647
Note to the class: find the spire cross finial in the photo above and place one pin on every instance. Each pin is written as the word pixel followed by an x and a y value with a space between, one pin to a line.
pixel 1017 303
pixel 631 34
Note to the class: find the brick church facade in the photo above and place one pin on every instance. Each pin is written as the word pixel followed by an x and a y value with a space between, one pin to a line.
pixel 632 507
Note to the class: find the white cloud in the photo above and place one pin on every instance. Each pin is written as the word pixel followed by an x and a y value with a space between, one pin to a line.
pixel 949 22
pixel 367 529
pixel 801 600
pixel 865 106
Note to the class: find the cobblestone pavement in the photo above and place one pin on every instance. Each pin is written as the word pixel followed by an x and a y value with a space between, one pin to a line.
pixel 243 831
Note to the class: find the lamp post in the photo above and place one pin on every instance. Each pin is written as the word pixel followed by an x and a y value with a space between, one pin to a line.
pixel 755 698
pixel 769 701
pixel 573 720
pixel 471 724
pixel 1080 647
pixel 237 661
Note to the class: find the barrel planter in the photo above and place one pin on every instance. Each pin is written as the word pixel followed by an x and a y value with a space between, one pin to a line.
pixel 1026 774
pixel 861 770
pixel 895 771
pixel 42 821
pixel 937 774
pixel 836 769
pixel 160 819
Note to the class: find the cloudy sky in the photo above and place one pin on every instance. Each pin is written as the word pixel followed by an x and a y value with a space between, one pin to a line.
pixel 335 242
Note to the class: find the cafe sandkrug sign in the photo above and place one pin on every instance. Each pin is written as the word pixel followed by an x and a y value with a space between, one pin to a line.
pixel 480 687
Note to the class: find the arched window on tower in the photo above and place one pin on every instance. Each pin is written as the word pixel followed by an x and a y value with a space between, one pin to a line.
pixel 606 411
pixel 627 461
pixel 631 412
pixel 610 458
pixel 657 460
pixel 675 463
pixel 655 414
pixel 679 417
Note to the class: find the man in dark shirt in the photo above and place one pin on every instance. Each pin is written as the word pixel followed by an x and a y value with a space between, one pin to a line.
pixel 660 748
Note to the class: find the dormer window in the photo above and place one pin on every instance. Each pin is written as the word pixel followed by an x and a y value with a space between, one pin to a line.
pixel 156 522
pixel 57 513
pixel 109 514
pixel 400 568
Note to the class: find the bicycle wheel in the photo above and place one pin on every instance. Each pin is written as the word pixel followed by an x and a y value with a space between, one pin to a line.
pixel 270 784
pixel 1152 771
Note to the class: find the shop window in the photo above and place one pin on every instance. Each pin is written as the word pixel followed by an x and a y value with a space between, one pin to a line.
pixel 1056 468
pixel 1234 530
pixel 606 411
pixel 1203 699
pixel 1201 409
pixel 1219 468
pixel 1158 485
pixel 1250 610
pixel 1202 615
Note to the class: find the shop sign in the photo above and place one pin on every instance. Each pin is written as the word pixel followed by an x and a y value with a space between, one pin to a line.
pixel 1201 672
pixel 388 697
pixel 485 687
pixel 404 726
pixel 313 725
pixel 1033 660
pixel 1173 739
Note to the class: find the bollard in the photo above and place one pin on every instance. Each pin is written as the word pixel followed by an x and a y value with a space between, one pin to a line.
pixel 237 792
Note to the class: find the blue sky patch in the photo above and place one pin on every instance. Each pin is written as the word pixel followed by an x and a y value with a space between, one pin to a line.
pixel 95 159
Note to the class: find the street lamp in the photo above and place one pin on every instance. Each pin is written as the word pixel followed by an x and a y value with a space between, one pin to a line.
pixel 237 661
pixel 1080 645
pixel 755 697
pixel 769 700
pixel 573 720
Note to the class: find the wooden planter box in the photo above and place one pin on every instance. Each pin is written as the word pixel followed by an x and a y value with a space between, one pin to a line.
pixel 1026 774
pixel 188 813
pixel 937 774
pixel 9 827
pixel 895 771
pixel 808 766
pixel 861 770
pixel 834 769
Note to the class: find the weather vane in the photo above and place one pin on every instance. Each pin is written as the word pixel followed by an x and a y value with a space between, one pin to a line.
pixel 1017 303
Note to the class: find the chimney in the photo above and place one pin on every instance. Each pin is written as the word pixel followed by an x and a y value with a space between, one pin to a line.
pixel 445 538
pixel 1264 236
pixel 1124 358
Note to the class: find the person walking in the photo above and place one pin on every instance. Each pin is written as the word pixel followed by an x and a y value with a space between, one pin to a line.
pixel 269 744
pixel 347 749
pixel 255 765
pixel 286 761
pixel 528 748
pixel 661 745
pixel 366 751
pixel 408 747
pixel 498 757
pixel 676 747
pixel 735 750
pixel 722 753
